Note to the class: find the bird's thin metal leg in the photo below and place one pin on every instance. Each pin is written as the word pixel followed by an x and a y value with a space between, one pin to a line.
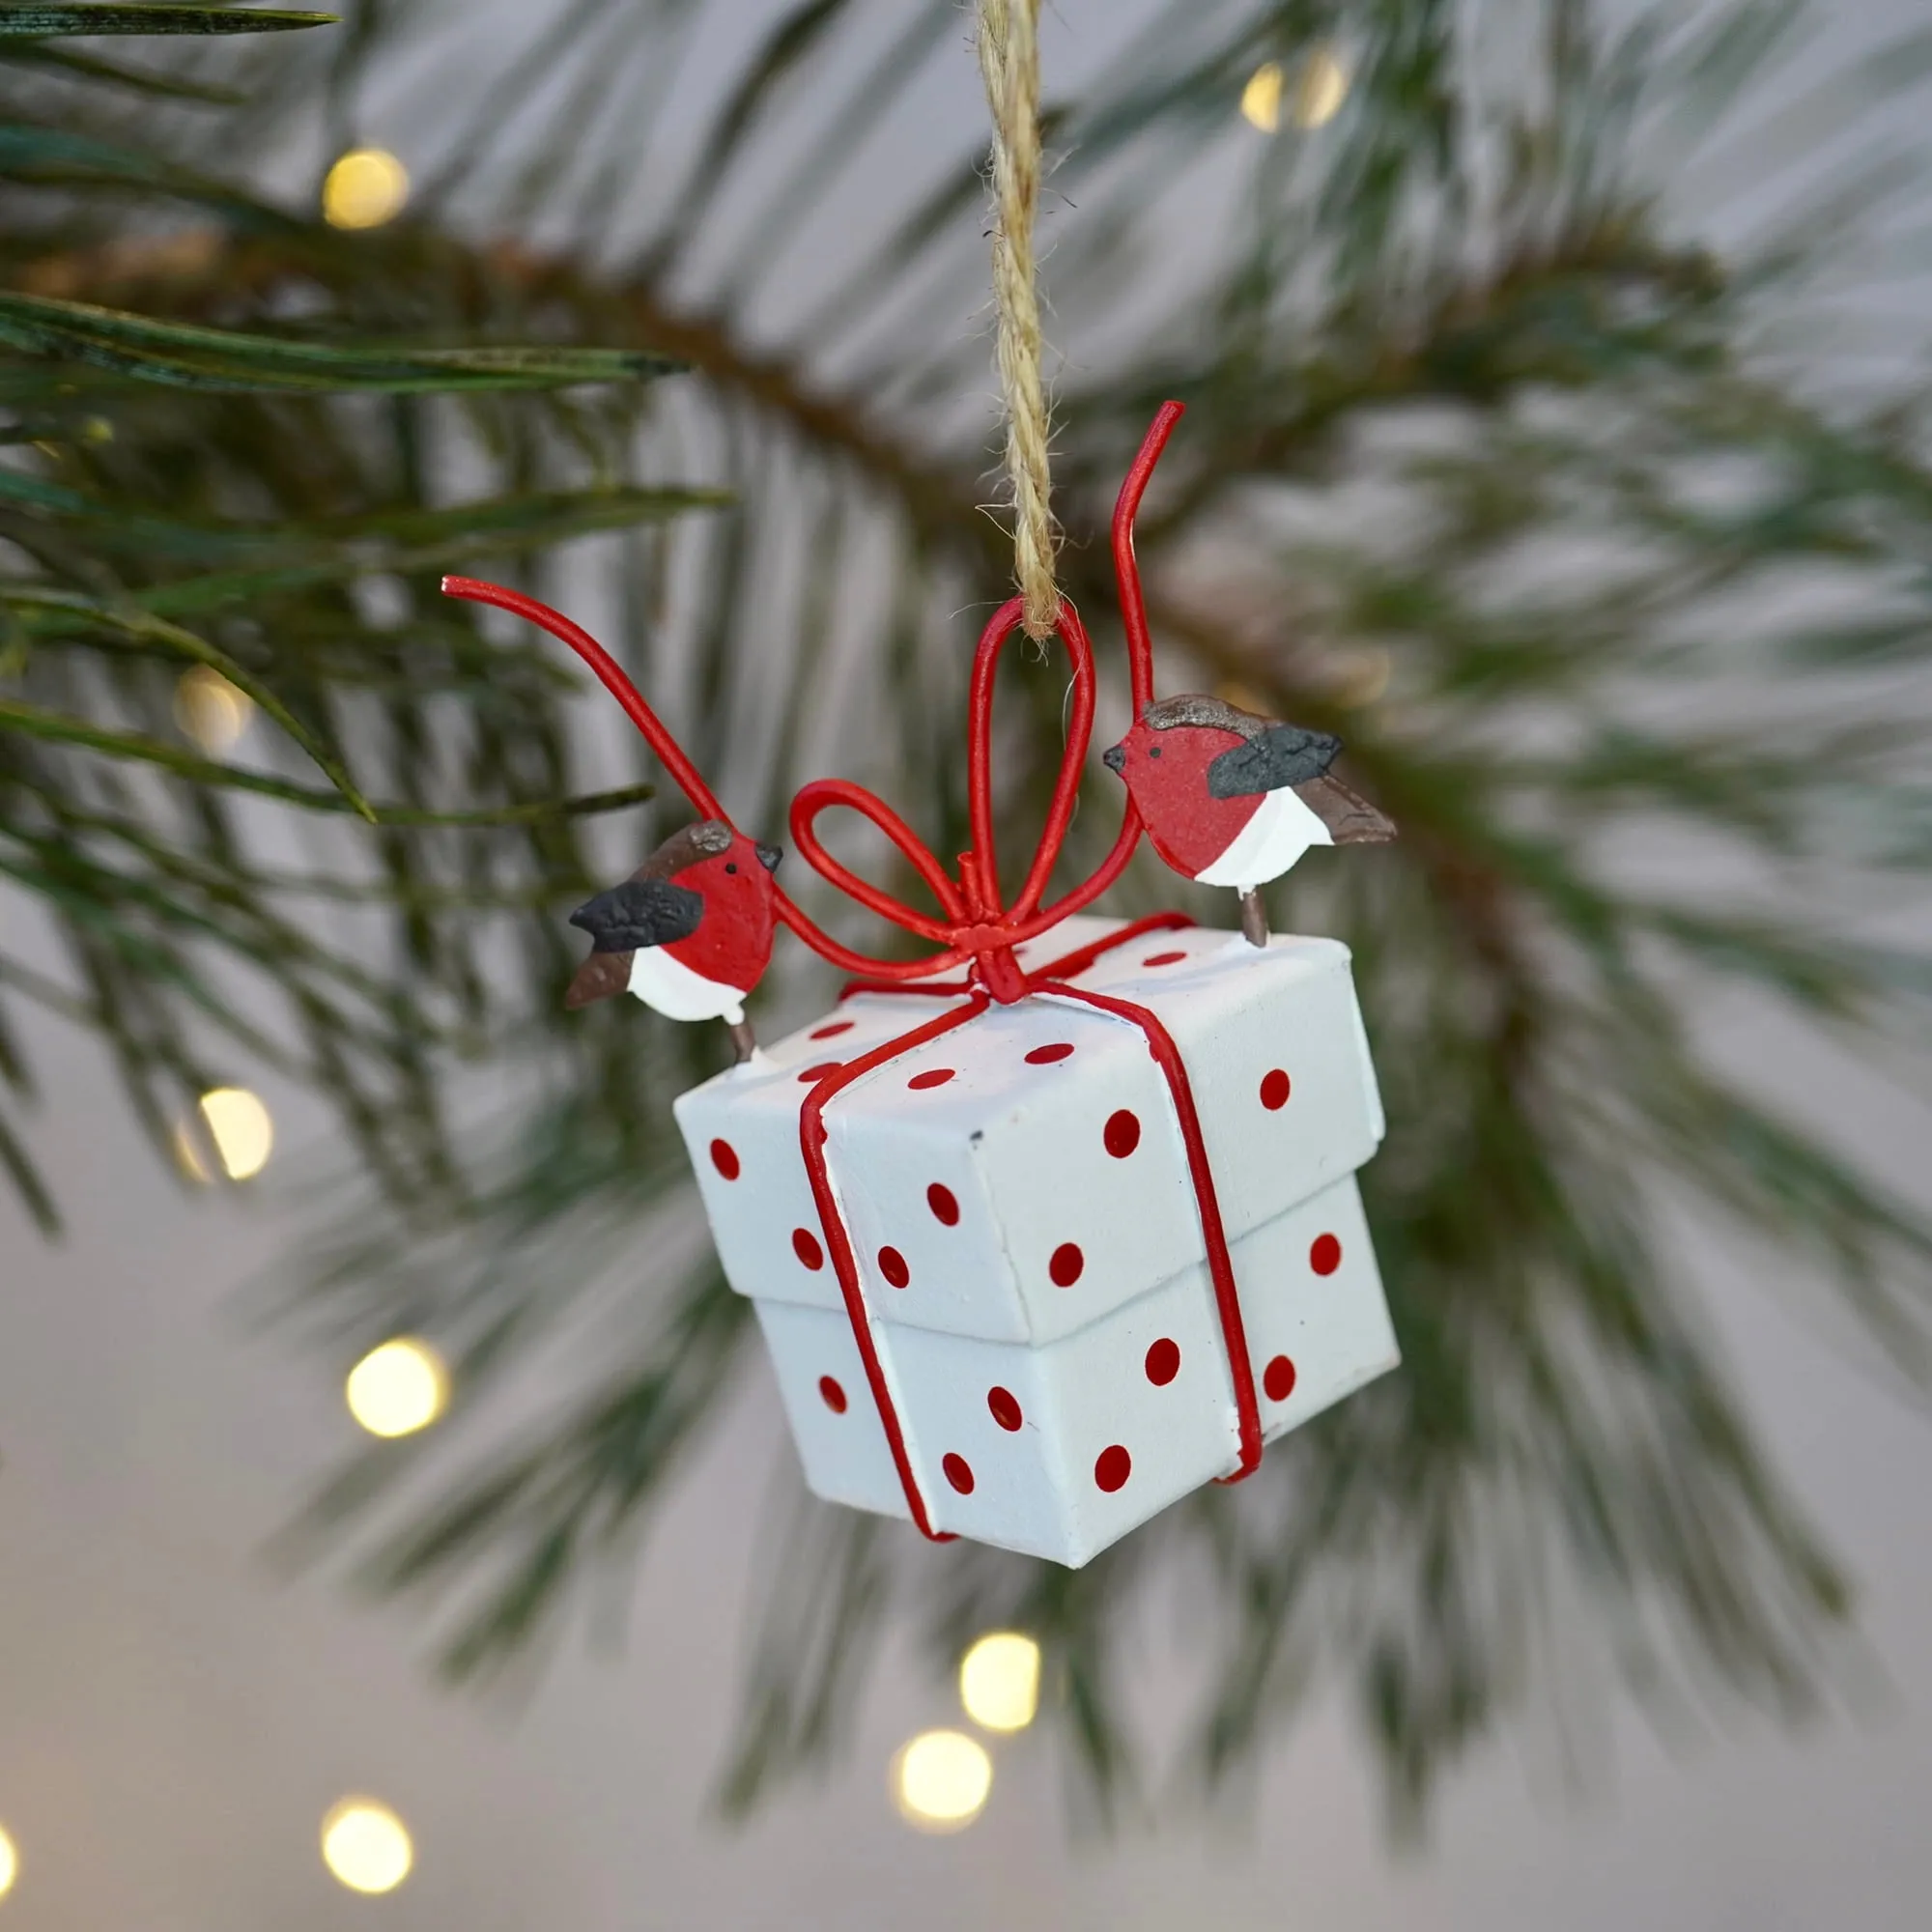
pixel 1254 919
pixel 743 1041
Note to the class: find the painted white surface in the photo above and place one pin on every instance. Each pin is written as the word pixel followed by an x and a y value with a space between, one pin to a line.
pixel 671 988
pixel 1281 829
pixel 1021 1145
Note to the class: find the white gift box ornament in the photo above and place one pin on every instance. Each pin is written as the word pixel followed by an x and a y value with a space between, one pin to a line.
pixel 1041 1248
pixel 1017 1196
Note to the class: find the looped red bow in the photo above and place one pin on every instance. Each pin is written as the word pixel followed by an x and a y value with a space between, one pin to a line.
pixel 973 923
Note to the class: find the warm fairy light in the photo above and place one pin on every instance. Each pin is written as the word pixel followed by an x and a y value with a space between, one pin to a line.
pixel 1322 89
pixel 239 1126
pixel 211 710
pixel 398 1388
pixel 10 1862
pixel 366 1845
pixel 940 1780
pixel 364 188
pixel 1260 98
pixel 999 1681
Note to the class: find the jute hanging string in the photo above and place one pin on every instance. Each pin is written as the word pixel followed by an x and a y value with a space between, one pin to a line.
pixel 1010 61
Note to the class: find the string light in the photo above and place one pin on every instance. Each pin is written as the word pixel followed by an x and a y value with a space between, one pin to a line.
pixel 366 1846
pixel 364 188
pixel 1320 91
pixel 398 1388
pixel 999 1681
pixel 211 710
pixel 240 1129
pixel 1260 98
pixel 940 1780
pixel 10 1862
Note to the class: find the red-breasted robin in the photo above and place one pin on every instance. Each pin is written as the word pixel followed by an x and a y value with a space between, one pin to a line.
pixel 689 933
pixel 1233 799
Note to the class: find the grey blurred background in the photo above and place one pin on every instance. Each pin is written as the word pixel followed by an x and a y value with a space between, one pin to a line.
pixel 175 1716
pixel 174 1720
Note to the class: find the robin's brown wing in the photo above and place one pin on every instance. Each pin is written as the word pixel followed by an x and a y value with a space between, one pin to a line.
pixel 601 976
pixel 1351 819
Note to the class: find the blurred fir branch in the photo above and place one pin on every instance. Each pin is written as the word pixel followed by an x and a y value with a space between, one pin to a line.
pixel 1493 464
pixel 250 526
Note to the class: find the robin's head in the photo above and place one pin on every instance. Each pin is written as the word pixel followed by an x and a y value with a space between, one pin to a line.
pixel 1174 742
pixel 711 858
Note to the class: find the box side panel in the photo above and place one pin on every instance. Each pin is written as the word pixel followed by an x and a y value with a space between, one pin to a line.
pixel 741 1132
pixel 1318 1323
pixel 1059 1451
pixel 834 1422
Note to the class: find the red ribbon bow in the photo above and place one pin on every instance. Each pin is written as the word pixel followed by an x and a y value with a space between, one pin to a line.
pixel 973 925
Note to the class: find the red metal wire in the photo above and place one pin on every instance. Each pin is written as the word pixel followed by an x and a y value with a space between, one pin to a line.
pixel 1126 567
pixel 615 680
pixel 1207 1205
pixel 812 1135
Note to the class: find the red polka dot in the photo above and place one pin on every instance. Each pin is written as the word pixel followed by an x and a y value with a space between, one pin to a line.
pixel 944 1205
pixel 1278 1379
pixel 959 1473
pixel 725 1158
pixel 1121 1133
pixel 1325 1254
pixel 814 1075
pixel 1157 959
pixel 1113 1468
pixel 1045 1056
pixel 1163 1362
pixel 893 1265
pixel 827 1031
pixel 833 1394
pixel 805 1245
pixel 1274 1090
pixel 1006 1410
pixel 1066 1265
pixel 933 1076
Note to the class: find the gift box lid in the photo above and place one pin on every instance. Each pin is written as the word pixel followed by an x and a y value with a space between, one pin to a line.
pixel 1024 1174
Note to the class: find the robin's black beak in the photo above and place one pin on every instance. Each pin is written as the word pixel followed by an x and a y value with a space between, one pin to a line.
pixel 1115 758
pixel 768 855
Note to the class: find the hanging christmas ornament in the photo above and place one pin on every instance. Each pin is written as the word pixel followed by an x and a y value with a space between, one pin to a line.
pixel 1058 1222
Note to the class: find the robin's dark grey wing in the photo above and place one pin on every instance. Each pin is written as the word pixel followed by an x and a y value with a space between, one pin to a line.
pixel 640 912
pixel 1351 819
pixel 1284 755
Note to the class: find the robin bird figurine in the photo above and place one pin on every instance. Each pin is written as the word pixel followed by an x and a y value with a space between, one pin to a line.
pixel 1233 799
pixel 689 933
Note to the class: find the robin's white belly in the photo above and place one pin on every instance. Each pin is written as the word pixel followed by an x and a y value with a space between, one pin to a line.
pixel 671 988
pixel 1281 830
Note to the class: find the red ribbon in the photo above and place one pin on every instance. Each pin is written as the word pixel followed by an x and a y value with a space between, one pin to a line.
pixel 974 928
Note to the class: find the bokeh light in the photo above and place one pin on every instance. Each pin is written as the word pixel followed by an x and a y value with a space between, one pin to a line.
pixel 10 1862
pixel 940 1780
pixel 999 1681
pixel 1260 98
pixel 211 710
pixel 239 1126
pixel 364 188
pixel 1320 91
pixel 366 1845
pixel 398 1388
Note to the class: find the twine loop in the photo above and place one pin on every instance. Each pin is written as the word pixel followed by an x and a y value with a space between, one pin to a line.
pixel 1009 63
